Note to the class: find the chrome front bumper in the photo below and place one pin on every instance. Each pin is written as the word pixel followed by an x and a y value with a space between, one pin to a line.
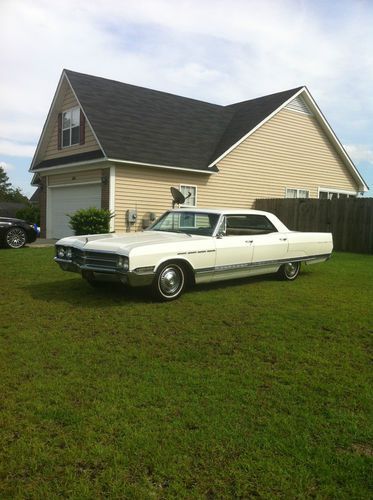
pixel 138 277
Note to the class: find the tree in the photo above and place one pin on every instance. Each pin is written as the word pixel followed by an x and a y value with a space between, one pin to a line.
pixel 4 182
pixel 8 192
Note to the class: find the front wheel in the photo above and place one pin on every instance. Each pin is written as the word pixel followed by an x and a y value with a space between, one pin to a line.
pixel 289 271
pixel 169 282
pixel 15 237
pixel 89 277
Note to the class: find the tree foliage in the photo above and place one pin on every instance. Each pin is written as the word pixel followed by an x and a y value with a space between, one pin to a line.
pixel 8 192
pixel 30 214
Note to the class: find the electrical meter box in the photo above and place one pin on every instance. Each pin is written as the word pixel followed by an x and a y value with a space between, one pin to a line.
pixel 132 215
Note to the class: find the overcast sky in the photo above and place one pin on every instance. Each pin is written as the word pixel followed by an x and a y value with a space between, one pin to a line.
pixel 221 51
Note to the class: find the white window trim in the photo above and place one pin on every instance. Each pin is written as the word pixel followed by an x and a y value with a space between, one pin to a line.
pixel 195 198
pixel 337 191
pixel 70 128
pixel 297 190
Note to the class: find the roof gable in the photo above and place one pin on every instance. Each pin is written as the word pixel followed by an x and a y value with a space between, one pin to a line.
pixel 47 148
pixel 143 126
pixel 148 126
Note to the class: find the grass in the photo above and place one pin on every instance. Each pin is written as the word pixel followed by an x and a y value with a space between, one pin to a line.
pixel 254 388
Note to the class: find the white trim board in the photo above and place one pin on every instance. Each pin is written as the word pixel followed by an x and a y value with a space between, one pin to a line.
pixel 335 190
pixel 112 197
pixel 87 165
pixel 69 184
pixel 83 165
pixel 191 170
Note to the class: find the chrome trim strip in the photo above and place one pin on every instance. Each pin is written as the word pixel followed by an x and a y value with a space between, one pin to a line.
pixel 263 263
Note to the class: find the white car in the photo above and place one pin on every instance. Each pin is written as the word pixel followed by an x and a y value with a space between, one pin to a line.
pixel 187 246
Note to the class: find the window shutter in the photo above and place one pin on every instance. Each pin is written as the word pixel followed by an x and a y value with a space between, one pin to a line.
pixel 59 135
pixel 82 127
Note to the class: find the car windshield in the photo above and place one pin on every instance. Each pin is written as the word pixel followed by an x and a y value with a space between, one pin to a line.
pixel 187 222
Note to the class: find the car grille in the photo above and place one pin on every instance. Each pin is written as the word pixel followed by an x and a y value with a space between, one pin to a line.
pixel 100 260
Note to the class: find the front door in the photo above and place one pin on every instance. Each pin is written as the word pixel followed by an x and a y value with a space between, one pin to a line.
pixel 234 249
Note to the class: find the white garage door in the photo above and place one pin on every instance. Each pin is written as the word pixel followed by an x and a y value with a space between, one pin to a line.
pixel 67 200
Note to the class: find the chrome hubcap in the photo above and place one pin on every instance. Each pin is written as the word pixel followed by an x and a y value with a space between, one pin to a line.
pixel 170 281
pixel 16 238
pixel 291 269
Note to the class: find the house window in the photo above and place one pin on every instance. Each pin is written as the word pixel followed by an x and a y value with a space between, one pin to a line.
pixel 70 127
pixel 297 193
pixel 329 194
pixel 192 200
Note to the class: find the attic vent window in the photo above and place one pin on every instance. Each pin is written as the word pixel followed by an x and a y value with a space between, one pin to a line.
pixel 70 127
pixel 299 104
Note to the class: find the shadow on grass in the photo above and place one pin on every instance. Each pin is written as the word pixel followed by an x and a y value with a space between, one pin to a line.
pixel 76 291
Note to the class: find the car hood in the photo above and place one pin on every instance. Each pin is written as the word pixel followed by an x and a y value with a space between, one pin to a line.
pixel 125 242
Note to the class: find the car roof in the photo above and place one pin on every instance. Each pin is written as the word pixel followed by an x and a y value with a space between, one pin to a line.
pixel 219 211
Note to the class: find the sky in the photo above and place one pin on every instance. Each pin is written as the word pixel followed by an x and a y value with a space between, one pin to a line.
pixel 220 51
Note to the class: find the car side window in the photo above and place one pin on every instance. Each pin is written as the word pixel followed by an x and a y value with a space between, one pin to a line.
pixel 249 224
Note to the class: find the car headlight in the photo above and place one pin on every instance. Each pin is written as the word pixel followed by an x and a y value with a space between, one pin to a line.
pixel 60 252
pixel 64 253
pixel 123 263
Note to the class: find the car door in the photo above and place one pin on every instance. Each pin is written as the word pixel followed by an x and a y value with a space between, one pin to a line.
pixel 234 249
pixel 269 247
pixel 268 244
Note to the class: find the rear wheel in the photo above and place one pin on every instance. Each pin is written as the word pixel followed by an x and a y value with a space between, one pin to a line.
pixel 169 281
pixel 289 271
pixel 15 237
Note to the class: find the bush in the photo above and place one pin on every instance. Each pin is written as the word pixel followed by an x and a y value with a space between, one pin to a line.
pixel 30 214
pixel 90 221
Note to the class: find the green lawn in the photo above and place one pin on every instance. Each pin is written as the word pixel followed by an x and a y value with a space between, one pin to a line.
pixel 254 388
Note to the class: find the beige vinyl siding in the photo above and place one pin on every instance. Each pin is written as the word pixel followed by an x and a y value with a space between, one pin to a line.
pixel 74 177
pixel 52 150
pixel 148 190
pixel 289 151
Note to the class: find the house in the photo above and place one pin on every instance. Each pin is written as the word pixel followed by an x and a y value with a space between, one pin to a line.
pixel 118 146
pixel 35 198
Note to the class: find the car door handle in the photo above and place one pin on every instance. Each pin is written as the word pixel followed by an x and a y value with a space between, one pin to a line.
pixel 249 241
pixel 283 239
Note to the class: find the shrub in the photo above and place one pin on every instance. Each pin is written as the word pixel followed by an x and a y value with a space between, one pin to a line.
pixel 90 221
pixel 30 214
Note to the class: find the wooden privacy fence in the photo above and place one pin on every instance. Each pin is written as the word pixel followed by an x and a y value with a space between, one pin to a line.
pixel 349 219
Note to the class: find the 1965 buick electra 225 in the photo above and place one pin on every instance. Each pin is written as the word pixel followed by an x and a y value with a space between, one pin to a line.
pixel 190 246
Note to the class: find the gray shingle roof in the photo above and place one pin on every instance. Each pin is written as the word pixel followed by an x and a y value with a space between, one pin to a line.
pixel 147 126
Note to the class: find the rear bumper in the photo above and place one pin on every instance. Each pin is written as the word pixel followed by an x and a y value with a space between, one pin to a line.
pixel 133 278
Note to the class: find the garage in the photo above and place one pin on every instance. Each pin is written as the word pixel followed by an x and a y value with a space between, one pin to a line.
pixel 67 200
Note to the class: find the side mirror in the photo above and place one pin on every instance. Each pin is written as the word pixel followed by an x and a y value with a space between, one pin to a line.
pixel 222 229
